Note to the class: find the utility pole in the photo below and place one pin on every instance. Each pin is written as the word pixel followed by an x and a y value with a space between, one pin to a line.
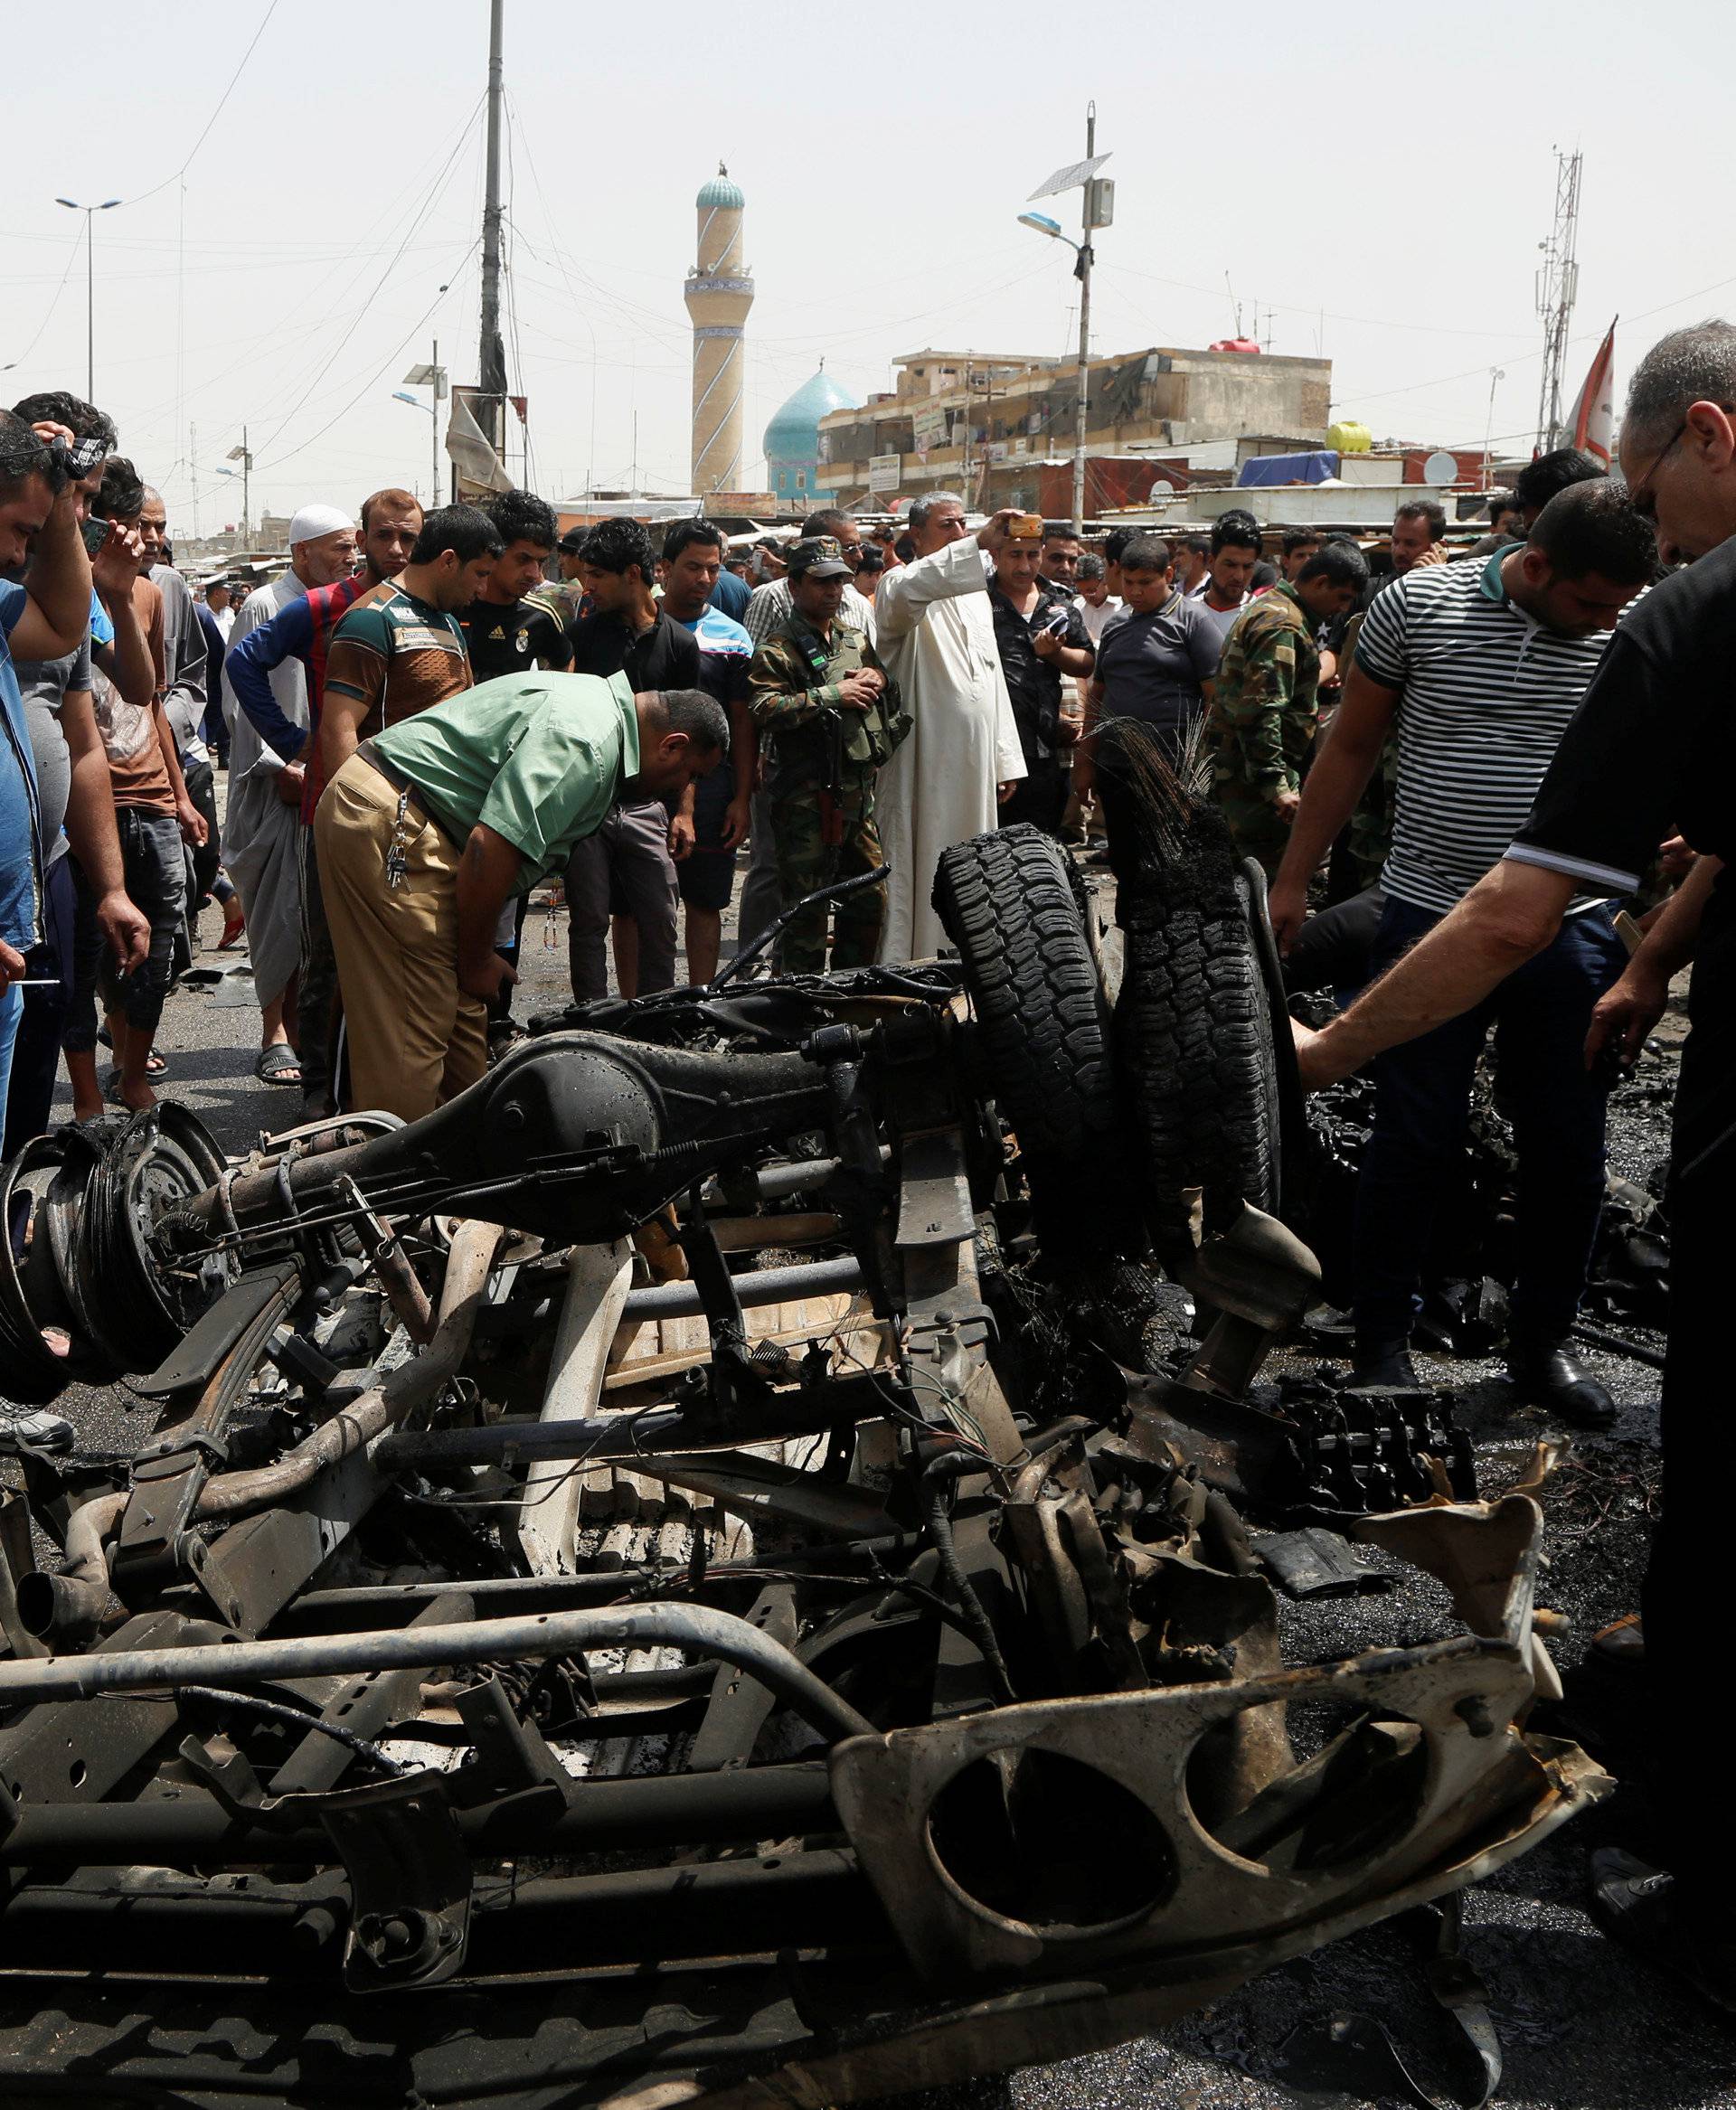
pixel 492 358
pixel 1557 283
pixel 1098 211
pixel 1083 267
pixel 970 412
pixel 1496 375
pixel 192 472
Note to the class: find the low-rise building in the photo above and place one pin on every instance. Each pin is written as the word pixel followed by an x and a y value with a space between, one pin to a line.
pixel 985 423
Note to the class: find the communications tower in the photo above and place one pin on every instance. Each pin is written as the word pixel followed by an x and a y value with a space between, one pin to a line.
pixel 1557 283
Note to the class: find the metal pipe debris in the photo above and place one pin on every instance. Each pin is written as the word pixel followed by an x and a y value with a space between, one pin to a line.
pixel 763 1286
pixel 244 1663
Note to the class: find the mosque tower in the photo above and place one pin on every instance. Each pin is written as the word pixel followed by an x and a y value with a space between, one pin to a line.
pixel 719 294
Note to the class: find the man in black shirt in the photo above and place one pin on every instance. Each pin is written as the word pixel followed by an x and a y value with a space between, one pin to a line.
pixel 1041 636
pixel 625 871
pixel 504 632
pixel 1649 754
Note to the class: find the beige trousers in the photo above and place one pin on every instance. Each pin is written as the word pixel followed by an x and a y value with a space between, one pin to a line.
pixel 415 1038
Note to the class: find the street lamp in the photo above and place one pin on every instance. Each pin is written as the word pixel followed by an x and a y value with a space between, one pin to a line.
pixel 240 454
pixel 1098 211
pixel 1496 375
pixel 416 403
pixel 73 205
pixel 431 376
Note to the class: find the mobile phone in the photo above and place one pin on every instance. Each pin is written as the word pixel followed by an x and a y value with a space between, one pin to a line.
pixel 1025 527
pixel 95 532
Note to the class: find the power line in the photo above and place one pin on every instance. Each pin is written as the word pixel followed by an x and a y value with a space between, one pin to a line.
pixel 428 202
pixel 373 378
pixel 71 258
pixel 222 101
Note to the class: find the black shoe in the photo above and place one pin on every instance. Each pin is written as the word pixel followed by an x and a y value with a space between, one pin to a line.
pixel 1635 1904
pixel 1383 1366
pixel 1547 1376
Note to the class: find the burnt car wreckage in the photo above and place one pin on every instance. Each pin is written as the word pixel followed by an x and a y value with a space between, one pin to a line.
pixel 709 1568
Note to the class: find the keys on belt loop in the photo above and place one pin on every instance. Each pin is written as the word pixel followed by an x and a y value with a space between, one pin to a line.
pixel 402 831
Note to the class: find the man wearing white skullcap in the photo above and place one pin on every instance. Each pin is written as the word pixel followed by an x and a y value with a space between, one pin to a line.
pixel 391 520
pixel 265 792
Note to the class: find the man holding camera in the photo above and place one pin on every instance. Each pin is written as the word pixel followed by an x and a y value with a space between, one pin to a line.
pixel 1041 636
pixel 42 620
pixel 75 803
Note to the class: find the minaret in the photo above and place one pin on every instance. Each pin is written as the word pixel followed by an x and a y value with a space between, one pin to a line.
pixel 719 294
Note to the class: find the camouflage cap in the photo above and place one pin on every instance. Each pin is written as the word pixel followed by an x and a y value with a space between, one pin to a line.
pixel 818 556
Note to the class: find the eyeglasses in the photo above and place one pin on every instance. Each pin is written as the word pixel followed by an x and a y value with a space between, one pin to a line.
pixel 1641 497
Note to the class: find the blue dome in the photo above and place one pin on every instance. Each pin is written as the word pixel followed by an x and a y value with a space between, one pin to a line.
pixel 721 191
pixel 794 429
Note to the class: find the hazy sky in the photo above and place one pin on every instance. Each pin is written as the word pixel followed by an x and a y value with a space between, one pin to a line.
pixel 1378 180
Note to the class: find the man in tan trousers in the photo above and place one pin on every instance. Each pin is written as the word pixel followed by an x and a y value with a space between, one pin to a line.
pixel 430 826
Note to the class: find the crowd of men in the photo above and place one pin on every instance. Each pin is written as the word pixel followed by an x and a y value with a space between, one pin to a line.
pixel 1452 767
pixel 874 700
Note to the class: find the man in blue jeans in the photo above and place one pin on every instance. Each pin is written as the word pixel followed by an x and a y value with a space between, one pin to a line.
pixel 1481 665
pixel 42 620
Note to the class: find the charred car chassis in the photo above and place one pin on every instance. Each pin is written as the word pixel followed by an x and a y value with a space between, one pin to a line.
pixel 694 1573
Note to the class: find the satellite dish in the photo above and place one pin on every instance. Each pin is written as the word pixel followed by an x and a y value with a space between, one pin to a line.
pixel 1440 468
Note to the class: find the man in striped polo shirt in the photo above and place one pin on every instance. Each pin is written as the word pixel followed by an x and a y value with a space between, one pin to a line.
pixel 1652 752
pixel 1481 667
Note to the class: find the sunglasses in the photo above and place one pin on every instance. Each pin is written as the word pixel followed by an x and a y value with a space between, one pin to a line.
pixel 83 456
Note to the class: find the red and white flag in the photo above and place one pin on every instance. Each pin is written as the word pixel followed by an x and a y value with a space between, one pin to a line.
pixel 1594 412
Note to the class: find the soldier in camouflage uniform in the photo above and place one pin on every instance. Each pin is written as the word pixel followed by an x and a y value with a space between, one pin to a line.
pixel 1265 700
pixel 829 718
pixel 1371 825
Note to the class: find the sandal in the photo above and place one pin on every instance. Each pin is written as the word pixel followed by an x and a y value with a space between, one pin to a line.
pixel 156 1062
pixel 277 1064
pixel 234 931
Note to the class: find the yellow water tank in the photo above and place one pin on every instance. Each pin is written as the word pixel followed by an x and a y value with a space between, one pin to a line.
pixel 1347 436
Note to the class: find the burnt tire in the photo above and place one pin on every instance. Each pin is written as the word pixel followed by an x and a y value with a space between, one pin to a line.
pixel 1015 907
pixel 1196 1048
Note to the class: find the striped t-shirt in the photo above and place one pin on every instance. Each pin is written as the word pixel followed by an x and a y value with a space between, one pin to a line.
pixel 395 654
pixel 1486 693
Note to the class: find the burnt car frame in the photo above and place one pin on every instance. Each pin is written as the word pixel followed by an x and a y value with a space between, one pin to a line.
pixel 696 1572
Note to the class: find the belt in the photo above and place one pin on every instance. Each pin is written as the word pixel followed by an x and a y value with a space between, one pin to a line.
pixel 408 787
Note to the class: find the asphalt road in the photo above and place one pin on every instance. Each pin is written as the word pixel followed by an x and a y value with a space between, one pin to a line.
pixel 1583 2027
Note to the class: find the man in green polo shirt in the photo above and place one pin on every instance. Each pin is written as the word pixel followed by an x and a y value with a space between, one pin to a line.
pixel 431 826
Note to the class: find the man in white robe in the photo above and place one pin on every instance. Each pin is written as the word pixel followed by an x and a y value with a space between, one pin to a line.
pixel 936 635
pixel 260 825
